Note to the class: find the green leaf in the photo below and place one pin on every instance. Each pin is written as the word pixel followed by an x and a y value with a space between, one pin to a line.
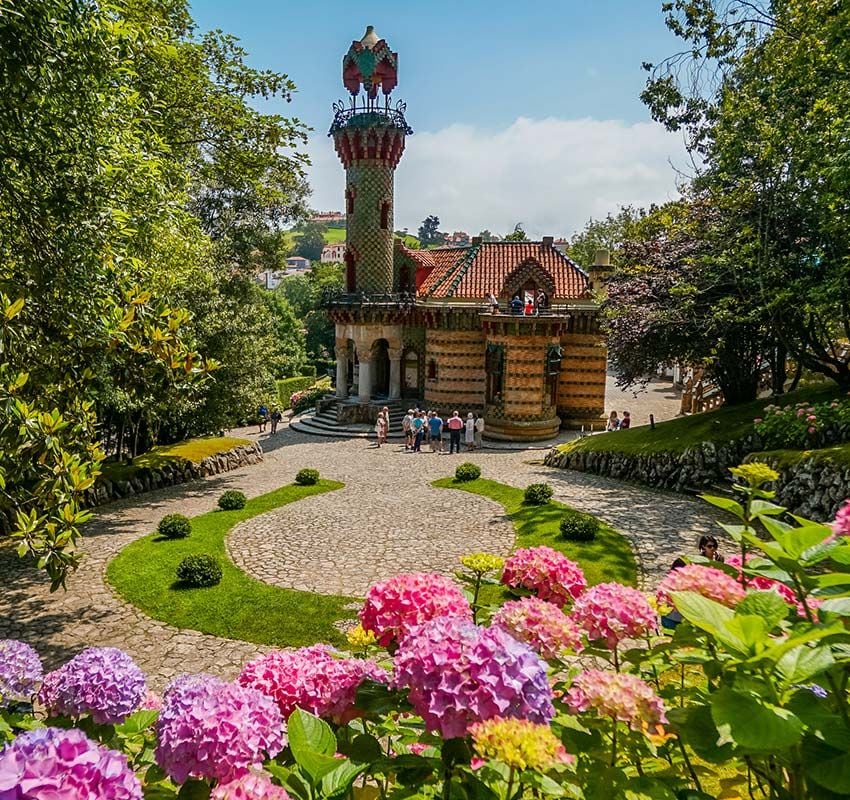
pixel 647 788
pixel 799 540
pixel 760 508
pixel 696 727
pixel 743 634
pixel 316 765
pixel 827 766
pixel 338 781
pixel 137 723
pixel 307 732
pixel 803 663
pixel 702 612
pixel 837 605
pixel 767 605
pixel 194 790
pixel 365 748
pixel 753 724
pixel 726 503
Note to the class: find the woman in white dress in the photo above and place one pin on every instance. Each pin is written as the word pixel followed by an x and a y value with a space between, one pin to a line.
pixel 469 431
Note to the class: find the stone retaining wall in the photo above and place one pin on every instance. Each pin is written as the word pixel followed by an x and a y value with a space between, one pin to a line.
pixel 147 479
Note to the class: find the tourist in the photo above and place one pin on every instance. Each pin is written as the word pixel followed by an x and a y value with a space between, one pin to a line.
pixel 455 425
pixel 426 428
pixel 435 425
pixel 542 300
pixel 613 423
pixel 709 547
pixel 516 305
pixel 262 416
pixel 626 421
pixel 479 432
pixel 386 412
pixel 469 437
pixel 529 307
pixel 417 425
pixel 406 429
pixel 276 419
pixel 379 428
pixel 493 302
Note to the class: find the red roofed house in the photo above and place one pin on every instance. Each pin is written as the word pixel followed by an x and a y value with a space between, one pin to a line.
pixel 420 324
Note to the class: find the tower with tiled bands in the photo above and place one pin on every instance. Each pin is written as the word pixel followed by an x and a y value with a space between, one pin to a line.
pixel 369 138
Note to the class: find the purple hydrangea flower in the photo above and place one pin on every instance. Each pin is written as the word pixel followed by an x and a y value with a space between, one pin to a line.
pixel 213 730
pixel 21 672
pixel 102 681
pixel 64 765
pixel 459 674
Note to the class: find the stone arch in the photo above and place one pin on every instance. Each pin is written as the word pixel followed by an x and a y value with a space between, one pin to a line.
pixel 529 274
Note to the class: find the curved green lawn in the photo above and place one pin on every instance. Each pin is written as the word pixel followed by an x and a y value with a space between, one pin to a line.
pixel 608 557
pixel 240 607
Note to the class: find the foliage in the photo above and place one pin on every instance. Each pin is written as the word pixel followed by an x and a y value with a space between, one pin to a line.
pixel 302 401
pixel 311 241
pixel 518 234
pixel 304 293
pixel 577 527
pixel 467 472
pixel 174 526
pixel 538 494
pixel 429 233
pixel 804 425
pixel 289 386
pixel 232 500
pixel 307 477
pixel 199 570
pixel 240 606
pixel 608 233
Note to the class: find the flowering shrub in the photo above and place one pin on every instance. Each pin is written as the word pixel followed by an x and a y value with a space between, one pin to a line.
pixel 543 626
pixel 396 605
pixel 102 681
pixel 804 425
pixel 548 573
pixel 312 678
pixel 841 525
pixel 21 672
pixel 612 613
pixel 306 399
pixel 746 688
pixel 459 674
pixel 215 730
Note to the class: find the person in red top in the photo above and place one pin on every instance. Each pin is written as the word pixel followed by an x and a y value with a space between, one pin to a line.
pixel 626 421
pixel 455 426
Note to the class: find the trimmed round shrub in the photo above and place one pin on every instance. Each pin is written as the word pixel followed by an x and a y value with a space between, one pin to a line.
pixel 467 472
pixel 199 570
pixel 307 477
pixel 174 526
pixel 232 500
pixel 538 494
pixel 579 527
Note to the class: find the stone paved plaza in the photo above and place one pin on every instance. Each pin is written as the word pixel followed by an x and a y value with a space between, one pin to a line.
pixel 387 518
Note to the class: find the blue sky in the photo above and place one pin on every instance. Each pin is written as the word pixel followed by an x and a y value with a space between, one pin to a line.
pixel 522 112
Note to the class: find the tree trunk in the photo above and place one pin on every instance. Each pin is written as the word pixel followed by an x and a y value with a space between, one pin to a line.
pixel 778 368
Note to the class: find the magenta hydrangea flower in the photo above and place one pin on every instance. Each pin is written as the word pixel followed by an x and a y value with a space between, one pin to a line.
pixel 252 786
pixel 841 524
pixel 613 612
pixel 618 695
pixel 546 572
pixel 102 681
pixel 64 765
pixel 706 581
pixel 213 730
pixel 458 674
pixel 21 672
pixel 540 624
pixel 396 605
pixel 313 679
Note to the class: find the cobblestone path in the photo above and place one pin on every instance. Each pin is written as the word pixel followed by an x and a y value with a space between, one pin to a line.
pixel 386 519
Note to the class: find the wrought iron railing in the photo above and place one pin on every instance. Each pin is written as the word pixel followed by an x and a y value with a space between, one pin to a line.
pixel 365 116
pixel 400 300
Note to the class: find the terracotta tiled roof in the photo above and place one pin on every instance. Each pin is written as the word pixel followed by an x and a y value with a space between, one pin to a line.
pixel 471 273
pixel 422 258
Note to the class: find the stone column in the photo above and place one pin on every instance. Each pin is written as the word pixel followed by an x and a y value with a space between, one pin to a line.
pixel 341 353
pixel 364 384
pixel 395 372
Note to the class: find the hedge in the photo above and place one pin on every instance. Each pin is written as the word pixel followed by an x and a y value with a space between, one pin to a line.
pixel 288 386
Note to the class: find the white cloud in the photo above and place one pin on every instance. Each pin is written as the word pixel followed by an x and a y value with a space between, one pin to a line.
pixel 550 174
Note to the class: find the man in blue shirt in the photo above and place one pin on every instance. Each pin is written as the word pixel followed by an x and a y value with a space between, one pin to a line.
pixel 435 424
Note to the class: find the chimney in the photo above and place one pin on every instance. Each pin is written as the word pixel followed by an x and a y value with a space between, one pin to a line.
pixel 548 241
pixel 600 270
pixel 603 258
pixel 475 240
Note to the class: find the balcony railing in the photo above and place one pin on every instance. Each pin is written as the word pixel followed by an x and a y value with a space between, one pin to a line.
pixel 398 300
pixel 365 116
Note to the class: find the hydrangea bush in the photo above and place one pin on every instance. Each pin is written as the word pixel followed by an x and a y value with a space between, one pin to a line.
pixel 804 425
pixel 746 698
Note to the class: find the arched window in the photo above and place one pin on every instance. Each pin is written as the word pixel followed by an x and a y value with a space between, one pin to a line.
pixel 495 373
pixel 404 278
pixel 432 370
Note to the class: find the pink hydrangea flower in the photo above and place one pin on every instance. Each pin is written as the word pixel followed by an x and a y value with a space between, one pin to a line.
pixel 213 730
pixel 396 605
pixel 253 786
pixel 548 573
pixel 102 681
pixel 542 625
pixel 64 765
pixel 613 612
pixel 619 695
pixel 706 581
pixel 313 679
pixel 459 674
pixel 841 525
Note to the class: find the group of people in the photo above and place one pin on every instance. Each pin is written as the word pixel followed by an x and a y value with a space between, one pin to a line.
pixel 264 417
pixel 428 427
pixel 616 424
pixel 528 307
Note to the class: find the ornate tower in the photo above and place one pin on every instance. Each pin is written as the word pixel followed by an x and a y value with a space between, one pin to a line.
pixel 369 140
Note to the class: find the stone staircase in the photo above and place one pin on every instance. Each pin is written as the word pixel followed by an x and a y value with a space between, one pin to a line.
pixel 327 422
